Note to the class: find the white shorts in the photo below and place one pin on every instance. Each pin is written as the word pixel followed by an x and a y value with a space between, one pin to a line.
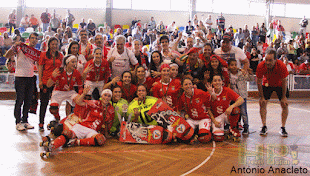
pixel 219 131
pixel 99 85
pixel 202 124
pixel 83 132
pixel 60 96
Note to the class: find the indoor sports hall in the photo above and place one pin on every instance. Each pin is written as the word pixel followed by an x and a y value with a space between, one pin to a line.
pixel 254 154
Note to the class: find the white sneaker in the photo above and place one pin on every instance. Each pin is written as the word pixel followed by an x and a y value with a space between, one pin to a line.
pixel 20 127
pixel 28 126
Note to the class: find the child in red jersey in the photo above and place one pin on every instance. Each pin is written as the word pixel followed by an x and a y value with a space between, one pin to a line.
pixel 196 104
pixel 96 72
pixel 98 117
pixel 167 88
pixel 65 80
pixel 222 109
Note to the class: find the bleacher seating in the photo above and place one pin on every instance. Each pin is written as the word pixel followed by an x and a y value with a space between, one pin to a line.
pixel 25 35
pixel 117 26
pixel 76 26
pixel 3 29
pixel 21 29
pixel 2 60
pixel 126 26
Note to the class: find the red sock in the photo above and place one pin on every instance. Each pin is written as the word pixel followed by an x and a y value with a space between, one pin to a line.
pixel 60 141
pixel 233 120
pixel 86 142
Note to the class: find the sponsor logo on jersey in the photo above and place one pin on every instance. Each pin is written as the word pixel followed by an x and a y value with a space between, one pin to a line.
pixel 224 98
pixel 197 100
pixel 173 87
pixel 156 134
pixel 181 128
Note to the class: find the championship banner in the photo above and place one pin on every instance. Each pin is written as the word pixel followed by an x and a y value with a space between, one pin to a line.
pixel 30 52
pixel 170 119
pixel 132 132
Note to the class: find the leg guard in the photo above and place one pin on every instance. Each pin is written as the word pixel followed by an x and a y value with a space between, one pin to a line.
pixel 234 117
pixel 57 129
pixel 218 138
pixel 204 135
pixel 68 134
pixel 188 134
pixel 55 110
pixel 167 136
pixel 99 139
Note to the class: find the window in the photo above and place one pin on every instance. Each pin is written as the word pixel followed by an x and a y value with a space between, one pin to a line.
pixel 204 5
pixel 257 8
pixel 297 10
pixel 179 5
pixel 67 3
pixel 122 4
pixel 277 9
pixel 11 3
pixel 151 5
pixel 231 7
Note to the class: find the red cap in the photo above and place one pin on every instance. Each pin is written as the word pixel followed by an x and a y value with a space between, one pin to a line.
pixel 193 50
pixel 214 57
pixel 164 66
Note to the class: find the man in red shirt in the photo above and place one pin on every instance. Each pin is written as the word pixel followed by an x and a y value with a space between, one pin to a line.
pixel 305 68
pixel 272 76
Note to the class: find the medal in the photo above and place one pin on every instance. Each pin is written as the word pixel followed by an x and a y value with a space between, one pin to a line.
pixel 186 116
pixel 266 84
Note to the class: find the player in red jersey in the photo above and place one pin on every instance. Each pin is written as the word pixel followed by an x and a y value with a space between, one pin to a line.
pixel 141 78
pixel 128 89
pixel 222 109
pixel 96 72
pixel 65 80
pixel 167 88
pixel 97 116
pixel 174 71
pixel 196 104
pixel 48 62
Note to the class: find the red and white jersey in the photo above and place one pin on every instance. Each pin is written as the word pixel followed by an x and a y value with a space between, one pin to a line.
pixel 100 72
pixel 223 100
pixel 169 91
pixel 128 94
pixel 49 65
pixel 304 67
pixel 148 82
pixel 65 81
pixel 86 49
pixel 94 115
pixel 195 106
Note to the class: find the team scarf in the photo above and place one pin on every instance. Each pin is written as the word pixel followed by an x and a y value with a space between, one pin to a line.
pixel 30 52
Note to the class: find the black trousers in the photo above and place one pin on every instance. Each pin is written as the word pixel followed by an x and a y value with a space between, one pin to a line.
pixel 45 95
pixel 24 90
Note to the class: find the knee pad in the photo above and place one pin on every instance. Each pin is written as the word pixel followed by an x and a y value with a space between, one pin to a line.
pixel 204 135
pixel 167 136
pixel 236 111
pixel 188 133
pixel 54 108
pixel 99 139
pixel 68 134
pixel 218 138
pixel 57 129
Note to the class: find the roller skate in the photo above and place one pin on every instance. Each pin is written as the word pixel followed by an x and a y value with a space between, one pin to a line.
pixel 52 124
pixel 48 149
pixel 234 134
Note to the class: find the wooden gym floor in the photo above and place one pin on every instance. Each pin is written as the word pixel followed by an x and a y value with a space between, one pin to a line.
pixel 20 151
